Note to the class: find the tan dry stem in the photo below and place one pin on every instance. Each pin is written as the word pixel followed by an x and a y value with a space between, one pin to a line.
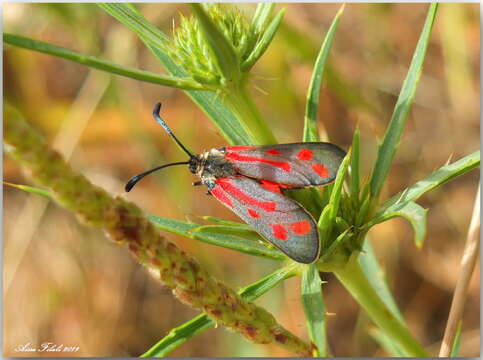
pixel 125 224
pixel 468 263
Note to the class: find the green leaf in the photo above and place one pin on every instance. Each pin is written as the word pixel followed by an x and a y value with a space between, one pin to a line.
pixel 241 244
pixel 395 128
pixel 30 189
pixel 262 16
pixel 435 179
pixel 227 230
pixel 313 303
pixel 376 277
pixel 262 45
pixel 226 222
pixel 94 62
pixel 310 127
pixel 226 121
pixel 355 170
pixel 183 333
pixel 327 218
pixel 336 244
pixel 386 342
pixel 223 53
pixel 455 348
pixel 412 212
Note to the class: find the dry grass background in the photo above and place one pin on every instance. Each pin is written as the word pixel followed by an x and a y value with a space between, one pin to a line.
pixel 64 283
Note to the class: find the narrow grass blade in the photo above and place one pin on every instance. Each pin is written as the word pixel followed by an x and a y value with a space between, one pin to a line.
pixel 355 169
pixel 327 218
pixel 227 230
pixel 455 349
pixel 225 120
pixel 183 333
pixel 435 179
pixel 225 222
pixel 262 45
pixel 412 212
pixel 385 342
pixel 30 189
pixel 223 53
pixel 396 125
pixel 375 275
pixel 313 303
pixel 262 16
pixel 238 243
pixel 310 128
pixel 94 62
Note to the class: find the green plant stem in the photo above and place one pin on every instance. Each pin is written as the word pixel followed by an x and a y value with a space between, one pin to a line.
pixel 353 279
pixel 104 65
pixel 241 103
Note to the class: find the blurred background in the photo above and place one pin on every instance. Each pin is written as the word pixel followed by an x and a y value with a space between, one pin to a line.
pixel 65 283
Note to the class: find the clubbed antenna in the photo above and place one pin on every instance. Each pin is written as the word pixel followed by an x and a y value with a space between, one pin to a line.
pixel 134 180
pixel 160 121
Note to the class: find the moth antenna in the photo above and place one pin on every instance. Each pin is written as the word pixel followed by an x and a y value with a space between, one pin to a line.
pixel 161 122
pixel 135 179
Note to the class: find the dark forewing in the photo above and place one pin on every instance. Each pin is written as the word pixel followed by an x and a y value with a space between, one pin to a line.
pixel 276 217
pixel 295 165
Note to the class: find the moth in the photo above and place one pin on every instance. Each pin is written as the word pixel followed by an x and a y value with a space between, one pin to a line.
pixel 251 180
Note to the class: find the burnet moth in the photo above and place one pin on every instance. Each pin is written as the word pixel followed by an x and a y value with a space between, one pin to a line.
pixel 250 181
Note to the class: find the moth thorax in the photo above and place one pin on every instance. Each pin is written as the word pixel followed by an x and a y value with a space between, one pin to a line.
pixel 214 165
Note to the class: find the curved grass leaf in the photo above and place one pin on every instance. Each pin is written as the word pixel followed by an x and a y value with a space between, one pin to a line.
pixel 238 243
pixel 310 127
pixel 390 143
pixel 435 179
pixel 262 45
pixel 94 62
pixel 313 303
pixel 224 119
pixel 183 333
pixel 262 16
pixel 412 212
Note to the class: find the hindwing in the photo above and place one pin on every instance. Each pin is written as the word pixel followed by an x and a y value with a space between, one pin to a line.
pixel 279 219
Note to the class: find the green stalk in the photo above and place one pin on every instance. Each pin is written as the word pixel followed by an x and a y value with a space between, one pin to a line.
pixel 353 279
pixel 241 103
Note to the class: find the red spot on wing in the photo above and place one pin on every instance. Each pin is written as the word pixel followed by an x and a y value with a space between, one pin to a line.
pixel 239 148
pixel 232 189
pixel 272 186
pixel 273 152
pixel 220 195
pixel 237 157
pixel 279 231
pixel 305 154
pixel 301 227
pixel 253 213
pixel 321 170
